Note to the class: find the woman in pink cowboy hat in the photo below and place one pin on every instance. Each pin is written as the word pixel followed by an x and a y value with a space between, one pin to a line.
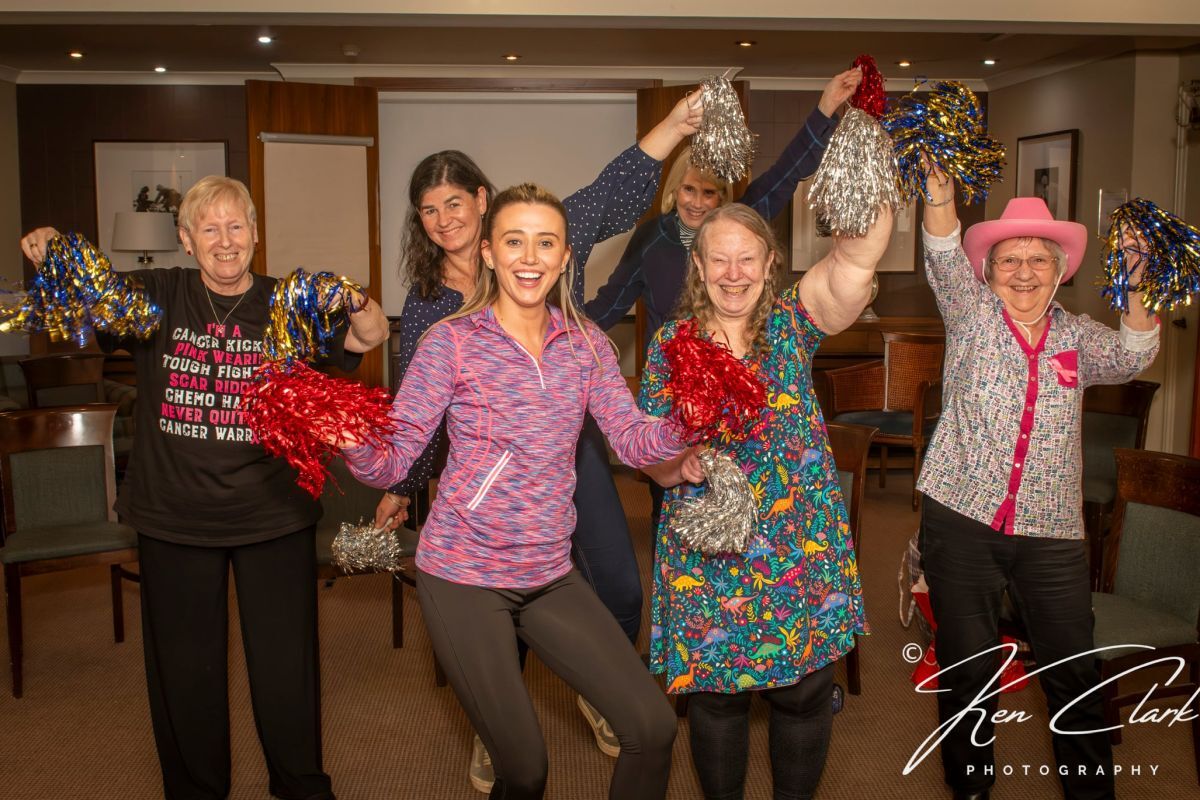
pixel 1003 506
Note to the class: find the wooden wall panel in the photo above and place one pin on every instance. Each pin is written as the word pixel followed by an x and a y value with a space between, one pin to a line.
pixel 57 125
pixel 318 109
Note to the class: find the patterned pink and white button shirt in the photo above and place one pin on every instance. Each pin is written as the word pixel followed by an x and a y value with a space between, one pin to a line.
pixel 1007 451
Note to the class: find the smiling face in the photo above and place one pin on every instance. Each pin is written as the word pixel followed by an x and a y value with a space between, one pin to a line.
pixel 528 251
pixel 733 263
pixel 451 216
pixel 695 197
pixel 1024 274
pixel 222 239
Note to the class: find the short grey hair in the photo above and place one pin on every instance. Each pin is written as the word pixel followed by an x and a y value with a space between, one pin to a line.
pixel 1060 255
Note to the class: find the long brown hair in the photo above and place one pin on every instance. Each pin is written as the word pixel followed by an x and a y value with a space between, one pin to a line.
pixel 421 262
pixel 487 288
pixel 694 300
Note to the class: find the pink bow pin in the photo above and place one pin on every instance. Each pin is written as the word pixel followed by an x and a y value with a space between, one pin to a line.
pixel 1066 365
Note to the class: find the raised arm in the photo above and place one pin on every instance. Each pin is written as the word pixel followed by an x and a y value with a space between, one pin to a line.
pixel 624 189
pixel 946 267
pixel 838 287
pixel 771 191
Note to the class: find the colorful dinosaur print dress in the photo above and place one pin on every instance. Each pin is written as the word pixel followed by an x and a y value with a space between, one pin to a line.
pixel 793 602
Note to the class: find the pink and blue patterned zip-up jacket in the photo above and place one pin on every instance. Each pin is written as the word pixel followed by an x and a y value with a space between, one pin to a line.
pixel 503 516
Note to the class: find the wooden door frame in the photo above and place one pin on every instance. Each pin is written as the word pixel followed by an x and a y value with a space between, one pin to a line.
pixel 264 97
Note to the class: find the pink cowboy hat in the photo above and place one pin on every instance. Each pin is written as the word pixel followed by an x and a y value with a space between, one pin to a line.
pixel 1026 216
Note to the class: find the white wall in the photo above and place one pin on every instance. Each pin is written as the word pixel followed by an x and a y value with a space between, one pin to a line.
pixel 560 141
pixel 10 208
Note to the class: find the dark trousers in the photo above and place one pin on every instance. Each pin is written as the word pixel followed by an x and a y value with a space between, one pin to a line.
pixel 969 567
pixel 601 546
pixel 566 625
pixel 185 627
pixel 800 727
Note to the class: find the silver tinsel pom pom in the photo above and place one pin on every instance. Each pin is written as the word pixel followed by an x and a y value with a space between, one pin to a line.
pixel 725 518
pixel 723 146
pixel 857 176
pixel 365 548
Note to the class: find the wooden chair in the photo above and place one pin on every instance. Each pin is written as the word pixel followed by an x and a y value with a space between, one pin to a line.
pixel 850 444
pixel 1113 416
pixel 64 379
pixel 1151 595
pixel 58 487
pixel 900 396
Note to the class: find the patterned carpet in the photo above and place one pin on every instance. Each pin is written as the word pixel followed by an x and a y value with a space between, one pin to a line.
pixel 82 728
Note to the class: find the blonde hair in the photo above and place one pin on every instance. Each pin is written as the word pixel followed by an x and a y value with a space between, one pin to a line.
pixel 487 288
pixel 694 300
pixel 679 168
pixel 213 189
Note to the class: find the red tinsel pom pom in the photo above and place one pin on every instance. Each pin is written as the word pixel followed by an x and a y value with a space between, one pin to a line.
pixel 870 95
pixel 295 412
pixel 711 390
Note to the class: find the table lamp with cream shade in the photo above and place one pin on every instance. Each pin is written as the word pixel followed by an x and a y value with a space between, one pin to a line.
pixel 144 232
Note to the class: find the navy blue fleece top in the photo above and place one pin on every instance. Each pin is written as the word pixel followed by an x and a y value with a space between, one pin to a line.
pixel 654 264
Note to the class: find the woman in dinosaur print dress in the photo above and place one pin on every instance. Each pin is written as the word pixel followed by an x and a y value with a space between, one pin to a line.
pixel 776 617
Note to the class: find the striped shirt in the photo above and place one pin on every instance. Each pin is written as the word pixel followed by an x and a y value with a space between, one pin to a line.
pixel 503 516
pixel 1007 450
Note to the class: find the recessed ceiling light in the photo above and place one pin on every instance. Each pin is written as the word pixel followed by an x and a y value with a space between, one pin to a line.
pixel 160 69
pixel 512 56
pixel 76 54
pixel 265 40
pixel 989 62
pixel 746 43
pixel 903 63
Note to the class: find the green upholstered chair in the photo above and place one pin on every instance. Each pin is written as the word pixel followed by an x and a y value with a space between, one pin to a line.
pixel 58 486
pixel 901 395
pixel 850 444
pixel 1113 416
pixel 1151 592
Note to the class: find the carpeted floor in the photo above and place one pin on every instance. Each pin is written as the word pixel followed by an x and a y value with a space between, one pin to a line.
pixel 82 730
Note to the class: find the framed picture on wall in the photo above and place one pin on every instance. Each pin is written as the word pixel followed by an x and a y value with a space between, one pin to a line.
pixel 1046 169
pixel 811 238
pixel 149 177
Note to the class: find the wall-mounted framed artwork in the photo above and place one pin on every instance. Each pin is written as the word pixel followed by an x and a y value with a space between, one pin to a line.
pixel 1046 169
pixel 149 177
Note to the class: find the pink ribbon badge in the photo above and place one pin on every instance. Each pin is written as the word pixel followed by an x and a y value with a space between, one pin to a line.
pixel 1066 365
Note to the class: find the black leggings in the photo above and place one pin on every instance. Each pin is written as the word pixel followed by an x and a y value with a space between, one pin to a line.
pixel 568 627
pixel 801 723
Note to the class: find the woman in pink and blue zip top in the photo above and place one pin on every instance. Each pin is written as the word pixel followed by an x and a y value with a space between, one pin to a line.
pixel 513 372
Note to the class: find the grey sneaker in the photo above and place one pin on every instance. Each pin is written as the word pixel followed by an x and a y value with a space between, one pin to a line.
pixel 606 740
pixel 480 772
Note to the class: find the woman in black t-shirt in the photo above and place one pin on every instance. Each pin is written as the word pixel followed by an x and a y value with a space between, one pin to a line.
pixel 203 496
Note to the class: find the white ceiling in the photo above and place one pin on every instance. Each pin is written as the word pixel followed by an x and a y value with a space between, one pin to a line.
pixel 123 40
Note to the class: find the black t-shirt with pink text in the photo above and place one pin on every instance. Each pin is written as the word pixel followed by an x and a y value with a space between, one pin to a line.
pixel 197 475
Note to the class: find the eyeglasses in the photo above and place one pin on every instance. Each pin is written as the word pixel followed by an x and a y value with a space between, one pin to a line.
pixel 1012 263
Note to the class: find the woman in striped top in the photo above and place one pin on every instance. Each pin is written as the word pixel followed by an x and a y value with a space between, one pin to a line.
pixel 514 376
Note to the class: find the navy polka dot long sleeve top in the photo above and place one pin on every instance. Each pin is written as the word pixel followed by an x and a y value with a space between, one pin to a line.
pixel 609 205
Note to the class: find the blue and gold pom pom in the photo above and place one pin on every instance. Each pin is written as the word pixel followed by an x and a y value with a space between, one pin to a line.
pixel 74 292
pixel 945 129
pixel 303 316
pixel 1160 246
